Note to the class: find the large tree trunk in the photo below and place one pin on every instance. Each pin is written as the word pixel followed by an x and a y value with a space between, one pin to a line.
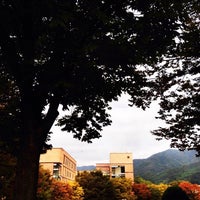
pixel 25 187
pixel 31 141
pixel 30 147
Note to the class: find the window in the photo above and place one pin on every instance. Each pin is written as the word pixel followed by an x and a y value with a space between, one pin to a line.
pixel 122 169
pixel 56 170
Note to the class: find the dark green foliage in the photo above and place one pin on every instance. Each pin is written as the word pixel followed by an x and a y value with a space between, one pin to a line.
pixel 188 172
pixel 96 186
pixel 178 83
pixel 174 193
pixel 168 166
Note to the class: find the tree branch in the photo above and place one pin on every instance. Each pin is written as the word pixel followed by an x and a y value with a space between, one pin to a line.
pixel 50 116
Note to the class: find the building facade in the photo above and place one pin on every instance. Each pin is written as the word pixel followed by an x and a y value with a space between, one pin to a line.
pixel 120 165
pixel 61 165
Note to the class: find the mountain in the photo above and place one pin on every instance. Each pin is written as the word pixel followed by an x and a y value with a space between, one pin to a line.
pixel 189 173
pixel 168 166
pixel 86 168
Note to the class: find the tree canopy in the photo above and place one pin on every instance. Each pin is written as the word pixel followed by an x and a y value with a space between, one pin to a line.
pixel 178 82
pixel 82 55
pixel 174 192
pixel 96 185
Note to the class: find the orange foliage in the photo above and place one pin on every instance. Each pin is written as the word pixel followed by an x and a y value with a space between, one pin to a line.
pixel 52 189
pixel 61 191
pixel 141 191
pixel 192 190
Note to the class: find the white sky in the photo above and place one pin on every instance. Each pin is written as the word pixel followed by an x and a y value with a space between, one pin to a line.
pixel 129 132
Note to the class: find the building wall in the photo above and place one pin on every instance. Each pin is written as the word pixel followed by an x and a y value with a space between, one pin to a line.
pixel 120 165
pixel 121 158
pixel 60 164
pixel 104 167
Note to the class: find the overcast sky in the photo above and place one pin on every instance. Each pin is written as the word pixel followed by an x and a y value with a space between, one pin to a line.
pixel 129 132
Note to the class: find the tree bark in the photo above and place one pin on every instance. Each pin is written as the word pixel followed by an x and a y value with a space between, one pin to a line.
pixel 25 187
pixel 30 146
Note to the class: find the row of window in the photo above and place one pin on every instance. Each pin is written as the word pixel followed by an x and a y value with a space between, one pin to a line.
pixel 67 173
pixel 118 169
pixel 59 171
pixel 69 163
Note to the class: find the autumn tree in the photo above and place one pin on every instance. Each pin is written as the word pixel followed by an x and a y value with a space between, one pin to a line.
pixel 157 190
pixel 123 188
pixel 52 189
pixel 61 191
pixel 80 55
pixel 95 185
pixel 44 189
pixel 77 191
pixel 192 190
pixel 141 191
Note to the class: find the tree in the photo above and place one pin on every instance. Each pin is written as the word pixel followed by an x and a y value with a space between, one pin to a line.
pixel 148 190
pixel 173 193
pixel 61 191
pixel 44 189
pixel 139 179
pixel 141 191
pixel 178 83
pixel 192 190
pixel 77 191
pixel 123 188
pixel 157 190
pixel 78 54
pixel 95 185
pixel 52 189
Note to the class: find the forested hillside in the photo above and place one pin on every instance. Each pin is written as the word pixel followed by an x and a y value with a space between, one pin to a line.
pixel 169 165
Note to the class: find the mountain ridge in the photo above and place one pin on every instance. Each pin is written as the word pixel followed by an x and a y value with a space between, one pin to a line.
pixel 165 166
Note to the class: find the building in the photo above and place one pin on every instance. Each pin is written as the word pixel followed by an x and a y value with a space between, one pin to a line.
pixel 61 165
pixel 121 165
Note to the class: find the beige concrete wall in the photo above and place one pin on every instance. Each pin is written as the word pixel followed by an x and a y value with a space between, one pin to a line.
pixel 52 155
pixel 121 158
pixel 68 168
pixel 55 155
pixel 117 160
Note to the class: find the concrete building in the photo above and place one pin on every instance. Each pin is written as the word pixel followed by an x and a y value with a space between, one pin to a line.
pixel 120 165
pixel 61 165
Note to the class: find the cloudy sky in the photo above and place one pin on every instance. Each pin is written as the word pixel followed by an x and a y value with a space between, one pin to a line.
pixel 129 132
